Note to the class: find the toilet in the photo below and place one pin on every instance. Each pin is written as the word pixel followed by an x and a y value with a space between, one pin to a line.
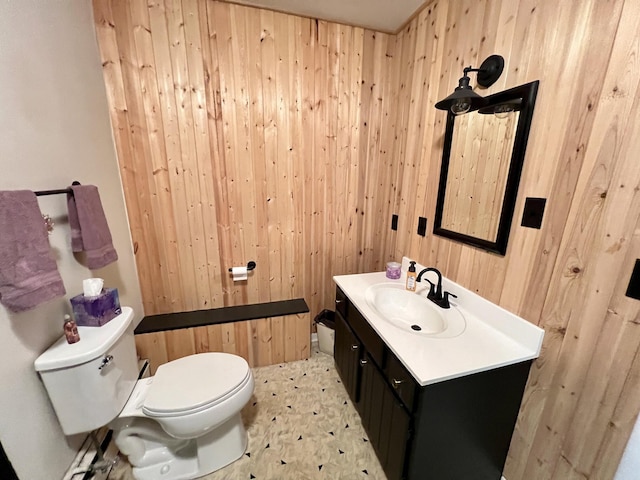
pixel 180 424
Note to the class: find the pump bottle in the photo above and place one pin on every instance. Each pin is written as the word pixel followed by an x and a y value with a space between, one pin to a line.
pixel 411 277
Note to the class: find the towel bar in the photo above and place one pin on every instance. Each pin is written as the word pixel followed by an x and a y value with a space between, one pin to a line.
pixel 42 193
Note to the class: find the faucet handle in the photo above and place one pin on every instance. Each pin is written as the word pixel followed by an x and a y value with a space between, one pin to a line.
pixel 432 289
pixel 445 300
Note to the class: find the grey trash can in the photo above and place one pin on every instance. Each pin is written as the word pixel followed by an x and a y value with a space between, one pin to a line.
pixel 326 326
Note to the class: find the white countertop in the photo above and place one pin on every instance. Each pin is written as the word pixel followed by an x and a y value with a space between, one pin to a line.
pixel 493 337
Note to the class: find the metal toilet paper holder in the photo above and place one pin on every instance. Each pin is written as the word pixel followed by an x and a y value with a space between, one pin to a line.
pixel 250 266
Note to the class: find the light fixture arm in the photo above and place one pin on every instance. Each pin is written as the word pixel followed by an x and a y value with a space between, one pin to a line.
pixel 489 71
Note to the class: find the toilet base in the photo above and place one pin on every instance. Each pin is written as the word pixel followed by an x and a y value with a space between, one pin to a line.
pixel 203 455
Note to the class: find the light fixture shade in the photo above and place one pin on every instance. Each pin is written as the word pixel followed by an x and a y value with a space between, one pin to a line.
pixel 459 95
pixel 464 99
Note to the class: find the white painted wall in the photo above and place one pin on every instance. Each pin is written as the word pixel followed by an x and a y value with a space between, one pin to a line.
pixel 54 128
pixel 630 463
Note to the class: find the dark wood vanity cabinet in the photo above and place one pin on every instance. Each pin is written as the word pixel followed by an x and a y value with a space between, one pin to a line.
pixel 458 429
pixel 383 415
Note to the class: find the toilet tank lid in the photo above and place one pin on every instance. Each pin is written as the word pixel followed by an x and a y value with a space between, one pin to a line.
pixel 94 341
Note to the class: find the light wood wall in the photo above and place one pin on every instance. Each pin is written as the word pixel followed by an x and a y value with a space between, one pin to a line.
pixel 247 135
pixel 569 277
pixel 242 135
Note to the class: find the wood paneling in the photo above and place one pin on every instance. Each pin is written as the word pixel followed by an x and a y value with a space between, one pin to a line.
pixel 252 135
pixel 223 102
pixel 570 276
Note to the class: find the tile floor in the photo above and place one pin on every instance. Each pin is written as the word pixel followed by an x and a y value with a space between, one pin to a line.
pixel 301 425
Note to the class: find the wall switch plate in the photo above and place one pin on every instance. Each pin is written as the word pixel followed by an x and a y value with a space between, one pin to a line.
pixel 422 226
pixel 633 290
pixel 394 222
pixel 533 212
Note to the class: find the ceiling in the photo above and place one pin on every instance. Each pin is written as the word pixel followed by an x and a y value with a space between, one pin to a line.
pixel 381 15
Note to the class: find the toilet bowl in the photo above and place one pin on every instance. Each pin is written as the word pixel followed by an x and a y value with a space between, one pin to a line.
pixel 200 425
pixel 180 424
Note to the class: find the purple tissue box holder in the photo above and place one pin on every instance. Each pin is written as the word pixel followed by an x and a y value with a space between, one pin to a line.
pixel 96 311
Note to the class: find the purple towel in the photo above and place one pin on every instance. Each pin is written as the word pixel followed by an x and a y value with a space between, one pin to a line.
pixel 28 274
pixel 89 230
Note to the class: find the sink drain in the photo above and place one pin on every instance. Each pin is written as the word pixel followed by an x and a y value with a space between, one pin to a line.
pixel 417 328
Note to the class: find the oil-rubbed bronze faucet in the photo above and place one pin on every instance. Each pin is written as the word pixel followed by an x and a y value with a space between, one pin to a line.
pixel 435 290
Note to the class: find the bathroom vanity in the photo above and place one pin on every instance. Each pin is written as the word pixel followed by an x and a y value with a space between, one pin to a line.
pixel 434 405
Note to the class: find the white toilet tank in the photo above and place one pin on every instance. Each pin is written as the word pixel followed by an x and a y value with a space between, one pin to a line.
pixel 89 382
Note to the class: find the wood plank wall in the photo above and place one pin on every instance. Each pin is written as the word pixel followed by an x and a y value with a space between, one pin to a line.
pixel 239 137
pixel 295 150
pixel 244 134
pixel 569 277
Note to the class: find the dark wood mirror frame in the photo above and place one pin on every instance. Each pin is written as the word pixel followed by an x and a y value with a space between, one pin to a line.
pixel 527 93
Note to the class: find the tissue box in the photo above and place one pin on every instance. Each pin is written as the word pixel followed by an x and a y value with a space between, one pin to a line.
pixel 96 311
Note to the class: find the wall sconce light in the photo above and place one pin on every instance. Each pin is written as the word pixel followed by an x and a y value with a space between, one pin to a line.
pixel 464 99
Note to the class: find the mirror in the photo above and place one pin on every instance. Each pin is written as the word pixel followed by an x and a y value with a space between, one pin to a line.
pixel 481 166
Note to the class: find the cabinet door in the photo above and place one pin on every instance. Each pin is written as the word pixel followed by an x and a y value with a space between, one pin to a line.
pixel 399 433
pixel 384 418
pixel 347 352
pixel 370 405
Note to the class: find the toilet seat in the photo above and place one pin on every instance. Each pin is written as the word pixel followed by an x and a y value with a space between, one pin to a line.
pixel 194 383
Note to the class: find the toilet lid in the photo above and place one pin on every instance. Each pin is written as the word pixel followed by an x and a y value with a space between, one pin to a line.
pixel 194 382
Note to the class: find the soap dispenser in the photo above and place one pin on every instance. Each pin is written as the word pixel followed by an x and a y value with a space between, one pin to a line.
pixel 411 277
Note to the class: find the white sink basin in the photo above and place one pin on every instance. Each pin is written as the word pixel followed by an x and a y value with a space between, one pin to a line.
pixel 413 312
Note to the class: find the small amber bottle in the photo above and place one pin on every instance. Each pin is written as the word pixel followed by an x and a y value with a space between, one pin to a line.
pixel 71 330
pixel 411 277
